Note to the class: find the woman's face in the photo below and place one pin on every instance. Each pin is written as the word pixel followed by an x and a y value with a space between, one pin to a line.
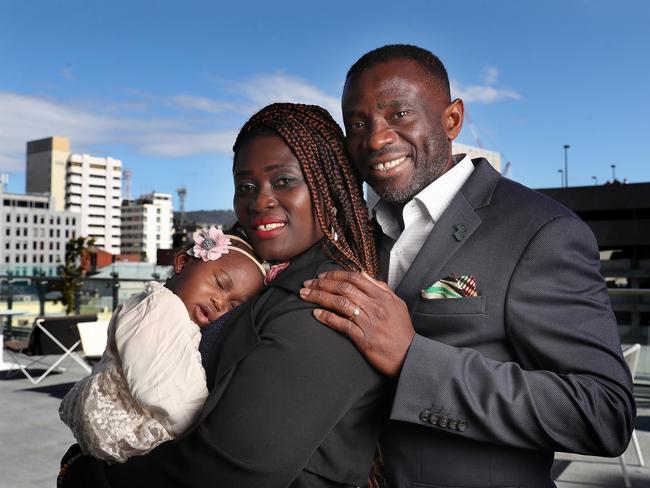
pixel 272 199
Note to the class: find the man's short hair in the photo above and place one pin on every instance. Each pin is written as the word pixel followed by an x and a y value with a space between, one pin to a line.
pixel 428 61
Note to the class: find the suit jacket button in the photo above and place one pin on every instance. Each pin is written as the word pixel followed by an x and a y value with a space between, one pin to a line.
pixel 453 423
pixel 433 420
pixel 462 426
pixel 444 420
pixel 424 415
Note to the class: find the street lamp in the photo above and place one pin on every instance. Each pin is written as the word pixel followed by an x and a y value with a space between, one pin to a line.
pixel 595 180
pixel 561 171
pixel 566 166
pixel 613 166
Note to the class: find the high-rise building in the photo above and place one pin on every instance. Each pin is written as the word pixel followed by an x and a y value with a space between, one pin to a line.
pixel 94 190
pixel 478 152
pixel 147 225
pixel 33 234
pixel 46 167
pixel 87 185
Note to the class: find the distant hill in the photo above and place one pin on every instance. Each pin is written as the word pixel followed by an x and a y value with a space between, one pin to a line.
pixel 203 217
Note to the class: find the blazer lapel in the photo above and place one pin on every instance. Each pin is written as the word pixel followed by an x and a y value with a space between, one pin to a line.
pixel 240 335
pixel 442 244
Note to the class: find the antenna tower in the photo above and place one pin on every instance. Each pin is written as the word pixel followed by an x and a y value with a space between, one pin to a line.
pixel 182 191
pixel 127 184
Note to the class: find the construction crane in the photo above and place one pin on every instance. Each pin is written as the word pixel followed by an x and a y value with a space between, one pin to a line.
pixel 182 192
pixel 127 184
pixel 479 143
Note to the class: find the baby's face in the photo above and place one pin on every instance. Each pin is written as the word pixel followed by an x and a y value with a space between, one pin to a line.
pixel 211 289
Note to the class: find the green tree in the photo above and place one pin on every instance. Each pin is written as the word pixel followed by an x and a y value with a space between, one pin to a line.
pixel 72 271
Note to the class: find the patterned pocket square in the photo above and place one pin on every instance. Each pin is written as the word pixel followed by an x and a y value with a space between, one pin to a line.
pixel 452 286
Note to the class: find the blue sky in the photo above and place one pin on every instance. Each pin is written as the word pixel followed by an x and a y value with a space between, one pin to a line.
pixel 165 85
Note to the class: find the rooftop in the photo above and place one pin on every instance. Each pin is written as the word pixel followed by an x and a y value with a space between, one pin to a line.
pixel 34 439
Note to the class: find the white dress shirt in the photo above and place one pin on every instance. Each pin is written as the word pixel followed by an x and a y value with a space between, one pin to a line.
pixel 419 215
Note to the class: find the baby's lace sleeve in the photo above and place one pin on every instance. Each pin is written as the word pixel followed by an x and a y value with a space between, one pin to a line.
pixel 106 421
pixel 149 385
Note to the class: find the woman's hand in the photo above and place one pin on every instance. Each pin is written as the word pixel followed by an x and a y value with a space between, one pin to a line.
pixel 368 312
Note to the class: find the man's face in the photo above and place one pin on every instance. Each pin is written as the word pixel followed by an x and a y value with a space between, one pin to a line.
pixel 394 118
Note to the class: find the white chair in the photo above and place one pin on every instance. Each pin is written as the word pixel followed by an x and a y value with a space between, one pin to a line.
pixel 93 339
pixel 631 356
pixel 50 336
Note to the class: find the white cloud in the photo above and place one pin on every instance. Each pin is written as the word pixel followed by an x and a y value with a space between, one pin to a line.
pixel 66 72
pixel 280 87
pixel 24 118
pixel 482 93
pixel 186 144
pixel 490 75
pixel 485 93
pixel 202 104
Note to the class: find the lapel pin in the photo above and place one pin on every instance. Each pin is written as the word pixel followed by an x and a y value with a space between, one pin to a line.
pixel 459 232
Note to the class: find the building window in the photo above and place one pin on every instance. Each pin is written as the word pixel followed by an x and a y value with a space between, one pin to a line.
pixel 35 219
pixel 8 217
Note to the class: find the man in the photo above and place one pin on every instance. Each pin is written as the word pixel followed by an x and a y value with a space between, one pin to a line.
pixel 499 333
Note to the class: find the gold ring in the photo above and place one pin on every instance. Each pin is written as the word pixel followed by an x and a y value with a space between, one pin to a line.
pixel 354 314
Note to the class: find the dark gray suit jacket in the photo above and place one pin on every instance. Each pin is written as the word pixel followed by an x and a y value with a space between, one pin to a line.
pixel 493 385
pixel 291 403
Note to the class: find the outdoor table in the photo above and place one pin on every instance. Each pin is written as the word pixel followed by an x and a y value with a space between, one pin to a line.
pixel 4 315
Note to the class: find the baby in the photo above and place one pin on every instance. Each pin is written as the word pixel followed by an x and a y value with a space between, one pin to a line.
pixel 150 384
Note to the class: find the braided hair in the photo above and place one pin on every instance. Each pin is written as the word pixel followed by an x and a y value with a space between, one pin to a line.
pixel 316 141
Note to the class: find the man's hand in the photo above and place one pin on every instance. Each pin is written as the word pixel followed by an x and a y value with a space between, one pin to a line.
pixel 368 312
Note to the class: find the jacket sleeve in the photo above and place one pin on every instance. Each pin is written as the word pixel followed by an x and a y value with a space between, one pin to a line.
pixel 568 388
pixel 279 405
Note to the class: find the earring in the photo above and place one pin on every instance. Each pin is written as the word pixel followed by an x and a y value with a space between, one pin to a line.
pixel 335 236
pixel 332 212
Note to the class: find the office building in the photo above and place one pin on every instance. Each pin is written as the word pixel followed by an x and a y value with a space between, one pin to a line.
pixel 147 225
pixel 83 184
pixel 619 216
pixel 46 168
pixel 478 152
pixel 33 234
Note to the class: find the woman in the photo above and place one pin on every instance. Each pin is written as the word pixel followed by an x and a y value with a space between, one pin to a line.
pixel 291 403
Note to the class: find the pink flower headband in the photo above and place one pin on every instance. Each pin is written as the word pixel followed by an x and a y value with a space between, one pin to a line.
pixel 210 244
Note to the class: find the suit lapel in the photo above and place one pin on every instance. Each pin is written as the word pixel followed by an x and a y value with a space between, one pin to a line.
pixel 441 245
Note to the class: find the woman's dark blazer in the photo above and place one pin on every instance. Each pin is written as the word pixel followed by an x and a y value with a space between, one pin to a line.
pixel 291 403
